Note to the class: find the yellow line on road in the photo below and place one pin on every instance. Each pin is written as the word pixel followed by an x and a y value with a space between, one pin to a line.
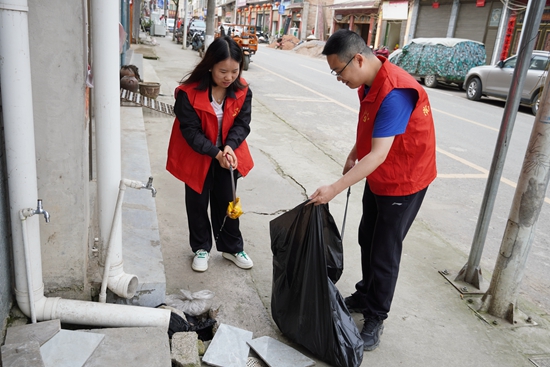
pixel 319 71
pixel 484 174
pixel 467 120
pixel 463 161
pixel 310 90
pixel 462 175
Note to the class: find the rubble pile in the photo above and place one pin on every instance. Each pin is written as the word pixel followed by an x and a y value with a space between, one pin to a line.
pixel 288 42
pixel 310 48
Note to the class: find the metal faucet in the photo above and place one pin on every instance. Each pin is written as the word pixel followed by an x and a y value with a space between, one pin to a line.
pixel 40 210
pixel 149 186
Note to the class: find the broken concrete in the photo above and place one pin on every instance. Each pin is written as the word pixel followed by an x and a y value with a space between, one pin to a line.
pixel 185 350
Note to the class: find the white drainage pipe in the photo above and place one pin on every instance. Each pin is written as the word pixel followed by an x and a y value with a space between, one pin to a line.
pixel 106 71
pixel 17 108
pixel 121 281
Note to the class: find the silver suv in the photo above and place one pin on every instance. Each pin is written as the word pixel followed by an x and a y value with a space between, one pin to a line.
pixel 197 25
pixel 495 80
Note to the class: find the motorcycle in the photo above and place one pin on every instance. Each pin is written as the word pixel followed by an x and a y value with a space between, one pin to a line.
pixel 383 51
pixel 178 34
pixel 196 41
pixel 263 37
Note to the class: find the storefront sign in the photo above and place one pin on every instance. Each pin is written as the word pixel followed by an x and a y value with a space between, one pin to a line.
pixel 395 10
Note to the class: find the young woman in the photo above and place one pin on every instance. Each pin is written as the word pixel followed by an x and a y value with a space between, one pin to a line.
pixel 213 106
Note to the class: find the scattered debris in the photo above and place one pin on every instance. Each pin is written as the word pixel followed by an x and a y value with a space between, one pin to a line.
pixel 195 304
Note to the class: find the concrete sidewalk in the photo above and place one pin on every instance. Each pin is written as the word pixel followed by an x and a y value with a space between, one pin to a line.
pixel 430 324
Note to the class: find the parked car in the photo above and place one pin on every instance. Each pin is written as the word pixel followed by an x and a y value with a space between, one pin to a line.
pixel 197 25
pixel 440 60
pixel 170 24
pixel 495 80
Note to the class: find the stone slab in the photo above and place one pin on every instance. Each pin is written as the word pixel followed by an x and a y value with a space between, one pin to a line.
pixel 131 347
pixel 40 332
pixel 229 347
pixel 277 354
pixel 69 348
pixel 22 354
pixel 185 351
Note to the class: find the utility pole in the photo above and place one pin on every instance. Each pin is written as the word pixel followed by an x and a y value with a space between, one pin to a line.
pixel 471 272
pixel 210 22
pixel 501 297
pixel 185 25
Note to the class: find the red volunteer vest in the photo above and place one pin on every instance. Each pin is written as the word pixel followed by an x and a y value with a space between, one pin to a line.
pixel 410 164
pixel 186 164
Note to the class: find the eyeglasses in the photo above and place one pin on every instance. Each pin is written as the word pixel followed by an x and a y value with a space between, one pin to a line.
pixel 333 72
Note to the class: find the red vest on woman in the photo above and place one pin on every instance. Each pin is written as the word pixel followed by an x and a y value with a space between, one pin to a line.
pixel 410 164
pixel 186 164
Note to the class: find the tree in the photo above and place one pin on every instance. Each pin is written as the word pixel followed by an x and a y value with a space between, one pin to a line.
pixel 177 3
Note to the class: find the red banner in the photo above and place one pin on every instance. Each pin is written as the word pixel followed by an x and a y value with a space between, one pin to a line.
pixel 508 37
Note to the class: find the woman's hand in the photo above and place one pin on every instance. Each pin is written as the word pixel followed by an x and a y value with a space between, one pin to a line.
pixel 227 158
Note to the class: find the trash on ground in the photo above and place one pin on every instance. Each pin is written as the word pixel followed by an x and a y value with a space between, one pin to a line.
pixel 195 304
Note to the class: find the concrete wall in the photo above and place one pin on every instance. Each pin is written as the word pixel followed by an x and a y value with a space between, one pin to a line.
pixel 58 64
pixel 5 243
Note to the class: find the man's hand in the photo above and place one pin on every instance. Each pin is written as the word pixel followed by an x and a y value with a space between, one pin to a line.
pixel 323 195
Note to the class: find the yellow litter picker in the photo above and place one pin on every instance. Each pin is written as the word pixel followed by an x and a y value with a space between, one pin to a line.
pixel 234 209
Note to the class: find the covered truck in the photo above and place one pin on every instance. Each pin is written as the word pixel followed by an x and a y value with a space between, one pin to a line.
pixel 445 60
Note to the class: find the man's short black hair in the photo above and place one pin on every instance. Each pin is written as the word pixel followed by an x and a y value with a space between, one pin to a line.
pixel 345 43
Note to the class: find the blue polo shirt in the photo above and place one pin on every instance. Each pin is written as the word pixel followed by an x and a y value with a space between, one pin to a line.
pixel 394 113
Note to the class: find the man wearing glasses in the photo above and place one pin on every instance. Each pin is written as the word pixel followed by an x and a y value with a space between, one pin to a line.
pixel 395 151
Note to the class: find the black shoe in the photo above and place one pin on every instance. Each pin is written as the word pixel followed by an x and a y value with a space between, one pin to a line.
pixel 354 304
pixel 372 330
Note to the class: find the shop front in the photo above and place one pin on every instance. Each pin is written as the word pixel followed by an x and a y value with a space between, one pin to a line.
pixel 358 16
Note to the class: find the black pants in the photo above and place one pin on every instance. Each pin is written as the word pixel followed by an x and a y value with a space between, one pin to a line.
pixel 384 225
pixel 218 192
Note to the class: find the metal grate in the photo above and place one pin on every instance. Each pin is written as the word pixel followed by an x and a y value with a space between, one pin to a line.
pixel 541 361
pixel 255 362
pixel 146 102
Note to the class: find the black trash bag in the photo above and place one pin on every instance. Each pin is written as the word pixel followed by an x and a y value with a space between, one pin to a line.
pixel 203 326
pixel 177 324
pixel 305 303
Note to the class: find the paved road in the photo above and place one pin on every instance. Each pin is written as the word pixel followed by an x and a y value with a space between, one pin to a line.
pixel 299 143
pixel 300 90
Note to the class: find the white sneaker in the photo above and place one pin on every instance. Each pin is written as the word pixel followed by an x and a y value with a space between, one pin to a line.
pixel 240 259
pixel 200 261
